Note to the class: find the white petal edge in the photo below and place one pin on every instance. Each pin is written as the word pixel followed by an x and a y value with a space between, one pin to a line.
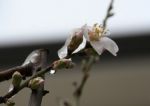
pixel 97 46
pixel 62 53
pixel 33 57
pixel 105 43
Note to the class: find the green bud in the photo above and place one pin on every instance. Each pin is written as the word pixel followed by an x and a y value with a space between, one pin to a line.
pixel 35 83
pixel 16 79
pixel 63 63
pixel 10 103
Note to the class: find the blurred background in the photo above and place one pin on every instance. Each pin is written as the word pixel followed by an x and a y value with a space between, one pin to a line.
pixel 26 25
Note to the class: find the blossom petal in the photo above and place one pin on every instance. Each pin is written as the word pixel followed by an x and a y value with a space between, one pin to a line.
pixel 63 51
pixel 97 46
pixel 86 31
pixel 105 43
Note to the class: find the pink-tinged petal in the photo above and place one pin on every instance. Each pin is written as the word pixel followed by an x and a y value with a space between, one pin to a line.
pixel 110 45
pixel 86 32
pixel 63 51
pixel 105 43
pixel 97 46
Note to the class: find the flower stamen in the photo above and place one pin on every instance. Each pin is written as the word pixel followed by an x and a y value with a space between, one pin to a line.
pixel 97 32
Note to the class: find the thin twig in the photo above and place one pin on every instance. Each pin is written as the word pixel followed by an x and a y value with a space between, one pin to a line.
pixel 25 70
pixel 86 69
pixel 108 14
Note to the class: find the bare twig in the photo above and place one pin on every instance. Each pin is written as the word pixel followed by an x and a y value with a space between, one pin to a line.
pixel 108 14
pixel 25 70
pixel 86 69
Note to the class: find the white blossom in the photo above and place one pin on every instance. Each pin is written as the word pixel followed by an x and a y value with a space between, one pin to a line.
pixel 96 37
pixel 71 43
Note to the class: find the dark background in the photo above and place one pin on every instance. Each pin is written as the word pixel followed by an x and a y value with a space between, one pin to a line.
pixel 114 81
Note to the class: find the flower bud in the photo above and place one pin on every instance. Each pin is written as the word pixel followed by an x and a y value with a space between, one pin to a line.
pixel 63 63
pixel 10 103
pixel 16 79
pixel 35 83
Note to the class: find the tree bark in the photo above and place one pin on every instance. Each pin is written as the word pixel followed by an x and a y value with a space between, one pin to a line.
pixel 37 95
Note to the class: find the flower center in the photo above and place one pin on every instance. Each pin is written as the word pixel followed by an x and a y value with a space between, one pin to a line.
pixel 96 32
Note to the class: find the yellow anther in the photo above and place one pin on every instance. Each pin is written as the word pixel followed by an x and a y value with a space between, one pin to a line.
pixel 97 32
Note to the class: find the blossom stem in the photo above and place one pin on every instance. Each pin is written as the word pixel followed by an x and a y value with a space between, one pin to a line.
pixel 86 69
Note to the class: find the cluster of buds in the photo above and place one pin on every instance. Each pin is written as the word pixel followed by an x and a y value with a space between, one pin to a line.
pixel 63 63
pixel 35 83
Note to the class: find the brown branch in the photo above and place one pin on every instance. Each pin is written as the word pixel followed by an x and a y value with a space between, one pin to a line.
pixel 86 69
pixel 4 98
pixel 30 63
pixel 38 59
pixel 39 72
pixel 25 70
pixel 37 95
